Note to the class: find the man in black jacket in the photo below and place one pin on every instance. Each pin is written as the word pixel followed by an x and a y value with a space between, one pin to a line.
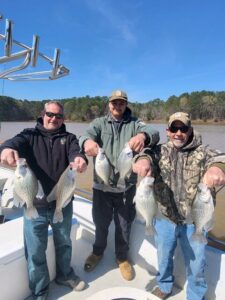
pixel 48 149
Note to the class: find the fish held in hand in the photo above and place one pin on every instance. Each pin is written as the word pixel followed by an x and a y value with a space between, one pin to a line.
pixel 202 213
pixel 63 192
pixel 124 164
pixel 25 188
pixel 146 205
pixel 102 166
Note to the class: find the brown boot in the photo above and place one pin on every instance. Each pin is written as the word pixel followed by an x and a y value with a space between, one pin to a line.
pixel 91 262
pixel 126 269
pixel 158 293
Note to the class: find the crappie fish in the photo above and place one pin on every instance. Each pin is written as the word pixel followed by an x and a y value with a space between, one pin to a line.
pixel 63 192
pixel 25 188
pixel 102 166
pixel 124 164
pixel 146 204
pixel 202 212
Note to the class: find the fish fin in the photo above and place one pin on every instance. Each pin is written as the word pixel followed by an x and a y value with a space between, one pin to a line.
pixel 199 237
pixel 121 183
pixel 67 202
pixel 52 196
pixel 58 216
pixel 40 193
pixel 139 218
pixel 31 213
pixel 18 202
pixel 150 230
pixel 209 225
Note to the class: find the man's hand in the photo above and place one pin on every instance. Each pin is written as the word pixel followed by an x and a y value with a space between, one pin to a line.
pixel 137 142
pixel 9 157
pixel 79 164
pixel 91 148
pixel 142 167
pixel 214 176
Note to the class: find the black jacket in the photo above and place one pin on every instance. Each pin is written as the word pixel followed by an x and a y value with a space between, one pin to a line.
pixel 47 153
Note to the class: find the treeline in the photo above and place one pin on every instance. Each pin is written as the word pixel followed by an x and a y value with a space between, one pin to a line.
pixel 204 105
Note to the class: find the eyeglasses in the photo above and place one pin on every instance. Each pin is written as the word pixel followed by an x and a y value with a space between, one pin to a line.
pixel 51 115
pixel 183 129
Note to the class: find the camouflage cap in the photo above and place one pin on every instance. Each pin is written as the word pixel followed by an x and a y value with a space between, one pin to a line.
pixel 118 94
pixel 180 116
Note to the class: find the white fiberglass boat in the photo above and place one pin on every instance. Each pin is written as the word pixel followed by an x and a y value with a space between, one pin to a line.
pixel 105 282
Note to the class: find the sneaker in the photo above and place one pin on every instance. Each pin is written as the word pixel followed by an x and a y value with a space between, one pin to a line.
pixel 158 293
pixel 75 284
pixel 91 262
pixel 126 269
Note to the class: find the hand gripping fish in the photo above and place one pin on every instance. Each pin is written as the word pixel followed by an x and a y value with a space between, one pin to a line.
pixel 202 212
pixel 124 164
pixel 146 204
pixel 102 166
pixel 63 192
pixel 25 188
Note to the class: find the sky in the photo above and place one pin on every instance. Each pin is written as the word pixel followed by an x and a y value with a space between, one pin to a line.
pixel 148 48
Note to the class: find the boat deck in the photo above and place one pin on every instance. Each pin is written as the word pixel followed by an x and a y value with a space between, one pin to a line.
pixel 105 282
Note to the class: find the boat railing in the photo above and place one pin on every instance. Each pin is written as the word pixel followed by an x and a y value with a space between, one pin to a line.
pixel 29 56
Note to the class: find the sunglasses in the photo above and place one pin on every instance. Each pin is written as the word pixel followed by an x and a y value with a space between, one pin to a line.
pixel 51 115
pixel 183 129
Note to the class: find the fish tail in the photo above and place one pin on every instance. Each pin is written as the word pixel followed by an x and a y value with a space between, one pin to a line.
pixel 58 216
pixel 51 197
pixel 150 230
pixel 121 183
pixel 199 237
pixel 31 213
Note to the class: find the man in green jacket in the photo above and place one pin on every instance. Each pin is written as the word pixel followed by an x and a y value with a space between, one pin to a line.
pixel 178 167
pixel 111 200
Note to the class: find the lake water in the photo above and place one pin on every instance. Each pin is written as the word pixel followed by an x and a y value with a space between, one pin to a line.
pixel 212 135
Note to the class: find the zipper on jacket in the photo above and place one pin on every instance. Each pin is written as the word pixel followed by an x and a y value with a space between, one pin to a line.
pixel 50 142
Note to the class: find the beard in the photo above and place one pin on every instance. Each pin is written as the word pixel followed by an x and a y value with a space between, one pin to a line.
pixel 179 144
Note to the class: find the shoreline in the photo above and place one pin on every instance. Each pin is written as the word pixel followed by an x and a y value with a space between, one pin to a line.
pixel 160 121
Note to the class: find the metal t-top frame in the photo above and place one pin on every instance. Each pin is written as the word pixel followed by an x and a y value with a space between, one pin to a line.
pixel 29 56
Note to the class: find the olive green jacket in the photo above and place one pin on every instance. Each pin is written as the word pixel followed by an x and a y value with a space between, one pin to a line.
pixel 103 132
pixel 177 174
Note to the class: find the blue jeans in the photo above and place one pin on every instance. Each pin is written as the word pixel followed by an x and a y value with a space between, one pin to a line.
pixel 194 256
pixel 35 245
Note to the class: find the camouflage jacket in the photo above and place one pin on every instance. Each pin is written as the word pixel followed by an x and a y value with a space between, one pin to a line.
pixel 177 174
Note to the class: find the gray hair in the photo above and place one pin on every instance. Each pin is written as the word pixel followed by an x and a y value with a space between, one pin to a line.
pixel 53 102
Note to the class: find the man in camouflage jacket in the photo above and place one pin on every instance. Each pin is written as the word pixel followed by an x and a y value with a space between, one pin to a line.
pixel 178 167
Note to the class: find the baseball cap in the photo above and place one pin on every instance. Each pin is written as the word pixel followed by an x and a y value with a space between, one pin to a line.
pixel 118 94
pixel 180 116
